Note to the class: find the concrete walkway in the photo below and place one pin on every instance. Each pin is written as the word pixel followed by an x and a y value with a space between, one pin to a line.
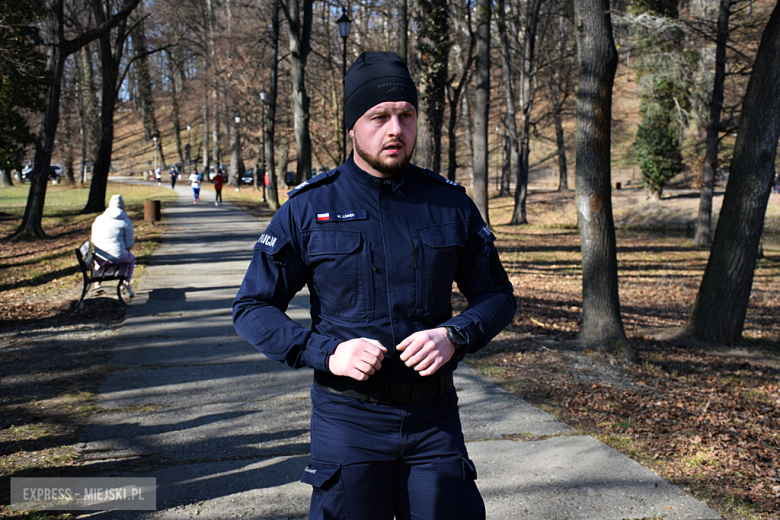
pixel 225 431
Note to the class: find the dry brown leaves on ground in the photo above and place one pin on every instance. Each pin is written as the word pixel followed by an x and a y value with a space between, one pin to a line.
pixel 704 420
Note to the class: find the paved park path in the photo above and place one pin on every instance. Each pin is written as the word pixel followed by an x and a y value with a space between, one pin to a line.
pixel 225 431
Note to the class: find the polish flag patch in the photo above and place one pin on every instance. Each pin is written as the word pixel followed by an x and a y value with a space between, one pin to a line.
pixel 321 217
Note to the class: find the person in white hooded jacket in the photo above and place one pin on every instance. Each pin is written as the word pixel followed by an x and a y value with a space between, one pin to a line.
pixel 112 236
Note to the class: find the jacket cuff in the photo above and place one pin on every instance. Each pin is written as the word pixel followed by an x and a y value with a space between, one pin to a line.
pixel 317 351
pixel 465 329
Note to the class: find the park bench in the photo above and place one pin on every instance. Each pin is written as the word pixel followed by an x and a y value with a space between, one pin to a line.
pixel 93 272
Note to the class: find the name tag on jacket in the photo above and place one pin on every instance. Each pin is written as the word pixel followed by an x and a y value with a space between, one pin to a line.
pixel 341 216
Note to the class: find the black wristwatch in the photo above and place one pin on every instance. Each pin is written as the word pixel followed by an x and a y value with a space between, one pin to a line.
pixel 456 338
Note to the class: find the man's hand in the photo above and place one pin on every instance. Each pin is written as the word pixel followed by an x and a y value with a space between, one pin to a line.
pixel 357 358
pixel 426 351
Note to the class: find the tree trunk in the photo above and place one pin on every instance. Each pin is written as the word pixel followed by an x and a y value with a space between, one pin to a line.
pixel 520 166
pixel 482 109
pixel 560 143
pixel 144 80
pixel 300 45
pixel 433 49
pixel 423 150
pixel 601 322
pixel 455 95
pixel 558 85
pixel 5 178
pixel 216 154
pixel 403 30
pixel 212 107
pixel 90 108
pixel 506 165
pixel 173 81
pixel 110 60
pixel 718 314
pixel 452 126
pixel 205 137
pixel 510 123
pixel 468 133
pixel 703 235
pixel 270 122
pixel 527 71
pixel 281 167
pixel 68 135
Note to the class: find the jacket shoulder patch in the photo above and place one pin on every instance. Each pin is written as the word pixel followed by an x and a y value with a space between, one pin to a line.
pixel 270 243
pixel 314 181
pixel 438 178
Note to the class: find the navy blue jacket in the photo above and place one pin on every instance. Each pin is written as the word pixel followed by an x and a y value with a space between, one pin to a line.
pixel 379 258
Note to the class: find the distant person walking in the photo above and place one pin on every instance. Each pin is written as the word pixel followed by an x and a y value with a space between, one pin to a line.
pixel 173 173
pixel 112 236
pixel 776 185
pixel 217 180
pixel 195 179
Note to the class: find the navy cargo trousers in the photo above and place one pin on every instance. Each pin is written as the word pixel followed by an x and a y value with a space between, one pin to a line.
pixel 374 461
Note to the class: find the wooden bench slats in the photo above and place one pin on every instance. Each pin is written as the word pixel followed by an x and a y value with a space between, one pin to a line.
pixel 92 272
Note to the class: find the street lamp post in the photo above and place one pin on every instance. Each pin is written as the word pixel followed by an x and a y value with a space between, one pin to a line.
pixel 155 157
pixel 499 150
pixel 189 148
pixel 237 154
pixel 262 141
pixel 344 24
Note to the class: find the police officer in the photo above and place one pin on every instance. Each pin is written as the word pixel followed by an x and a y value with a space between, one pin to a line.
pixel 379 242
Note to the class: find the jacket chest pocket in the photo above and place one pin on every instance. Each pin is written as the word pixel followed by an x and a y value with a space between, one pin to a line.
pixel 340 272
pixel 440 246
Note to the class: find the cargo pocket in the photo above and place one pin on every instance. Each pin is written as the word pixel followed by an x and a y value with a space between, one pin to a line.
pixel 469 469
pixel 471 505
pixel 335 260
pixel 328 499
pixel 441 246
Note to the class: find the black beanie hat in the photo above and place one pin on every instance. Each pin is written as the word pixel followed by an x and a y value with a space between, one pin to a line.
pixel 374 78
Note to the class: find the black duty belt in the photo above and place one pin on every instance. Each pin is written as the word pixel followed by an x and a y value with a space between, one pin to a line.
pixel 380 392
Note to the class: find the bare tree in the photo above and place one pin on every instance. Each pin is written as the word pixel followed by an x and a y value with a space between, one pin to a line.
pixel 67 136
pixel 300 45
pixel 270 122
pixel 456 85
pixel 718 314
pixel 527 73
pixel 601 322
pixel 510 122
pixel 433 50
pixel 173 86
pixel 703 236
pixel 482 108
pixel 143 78
pixel 89 112
pixel 110 61
pixel 558 76
pixel 59 49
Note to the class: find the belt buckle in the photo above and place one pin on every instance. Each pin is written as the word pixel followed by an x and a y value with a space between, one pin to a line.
pixel 400 393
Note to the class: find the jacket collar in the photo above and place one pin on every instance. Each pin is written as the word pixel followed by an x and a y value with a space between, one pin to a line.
pixel 364 178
